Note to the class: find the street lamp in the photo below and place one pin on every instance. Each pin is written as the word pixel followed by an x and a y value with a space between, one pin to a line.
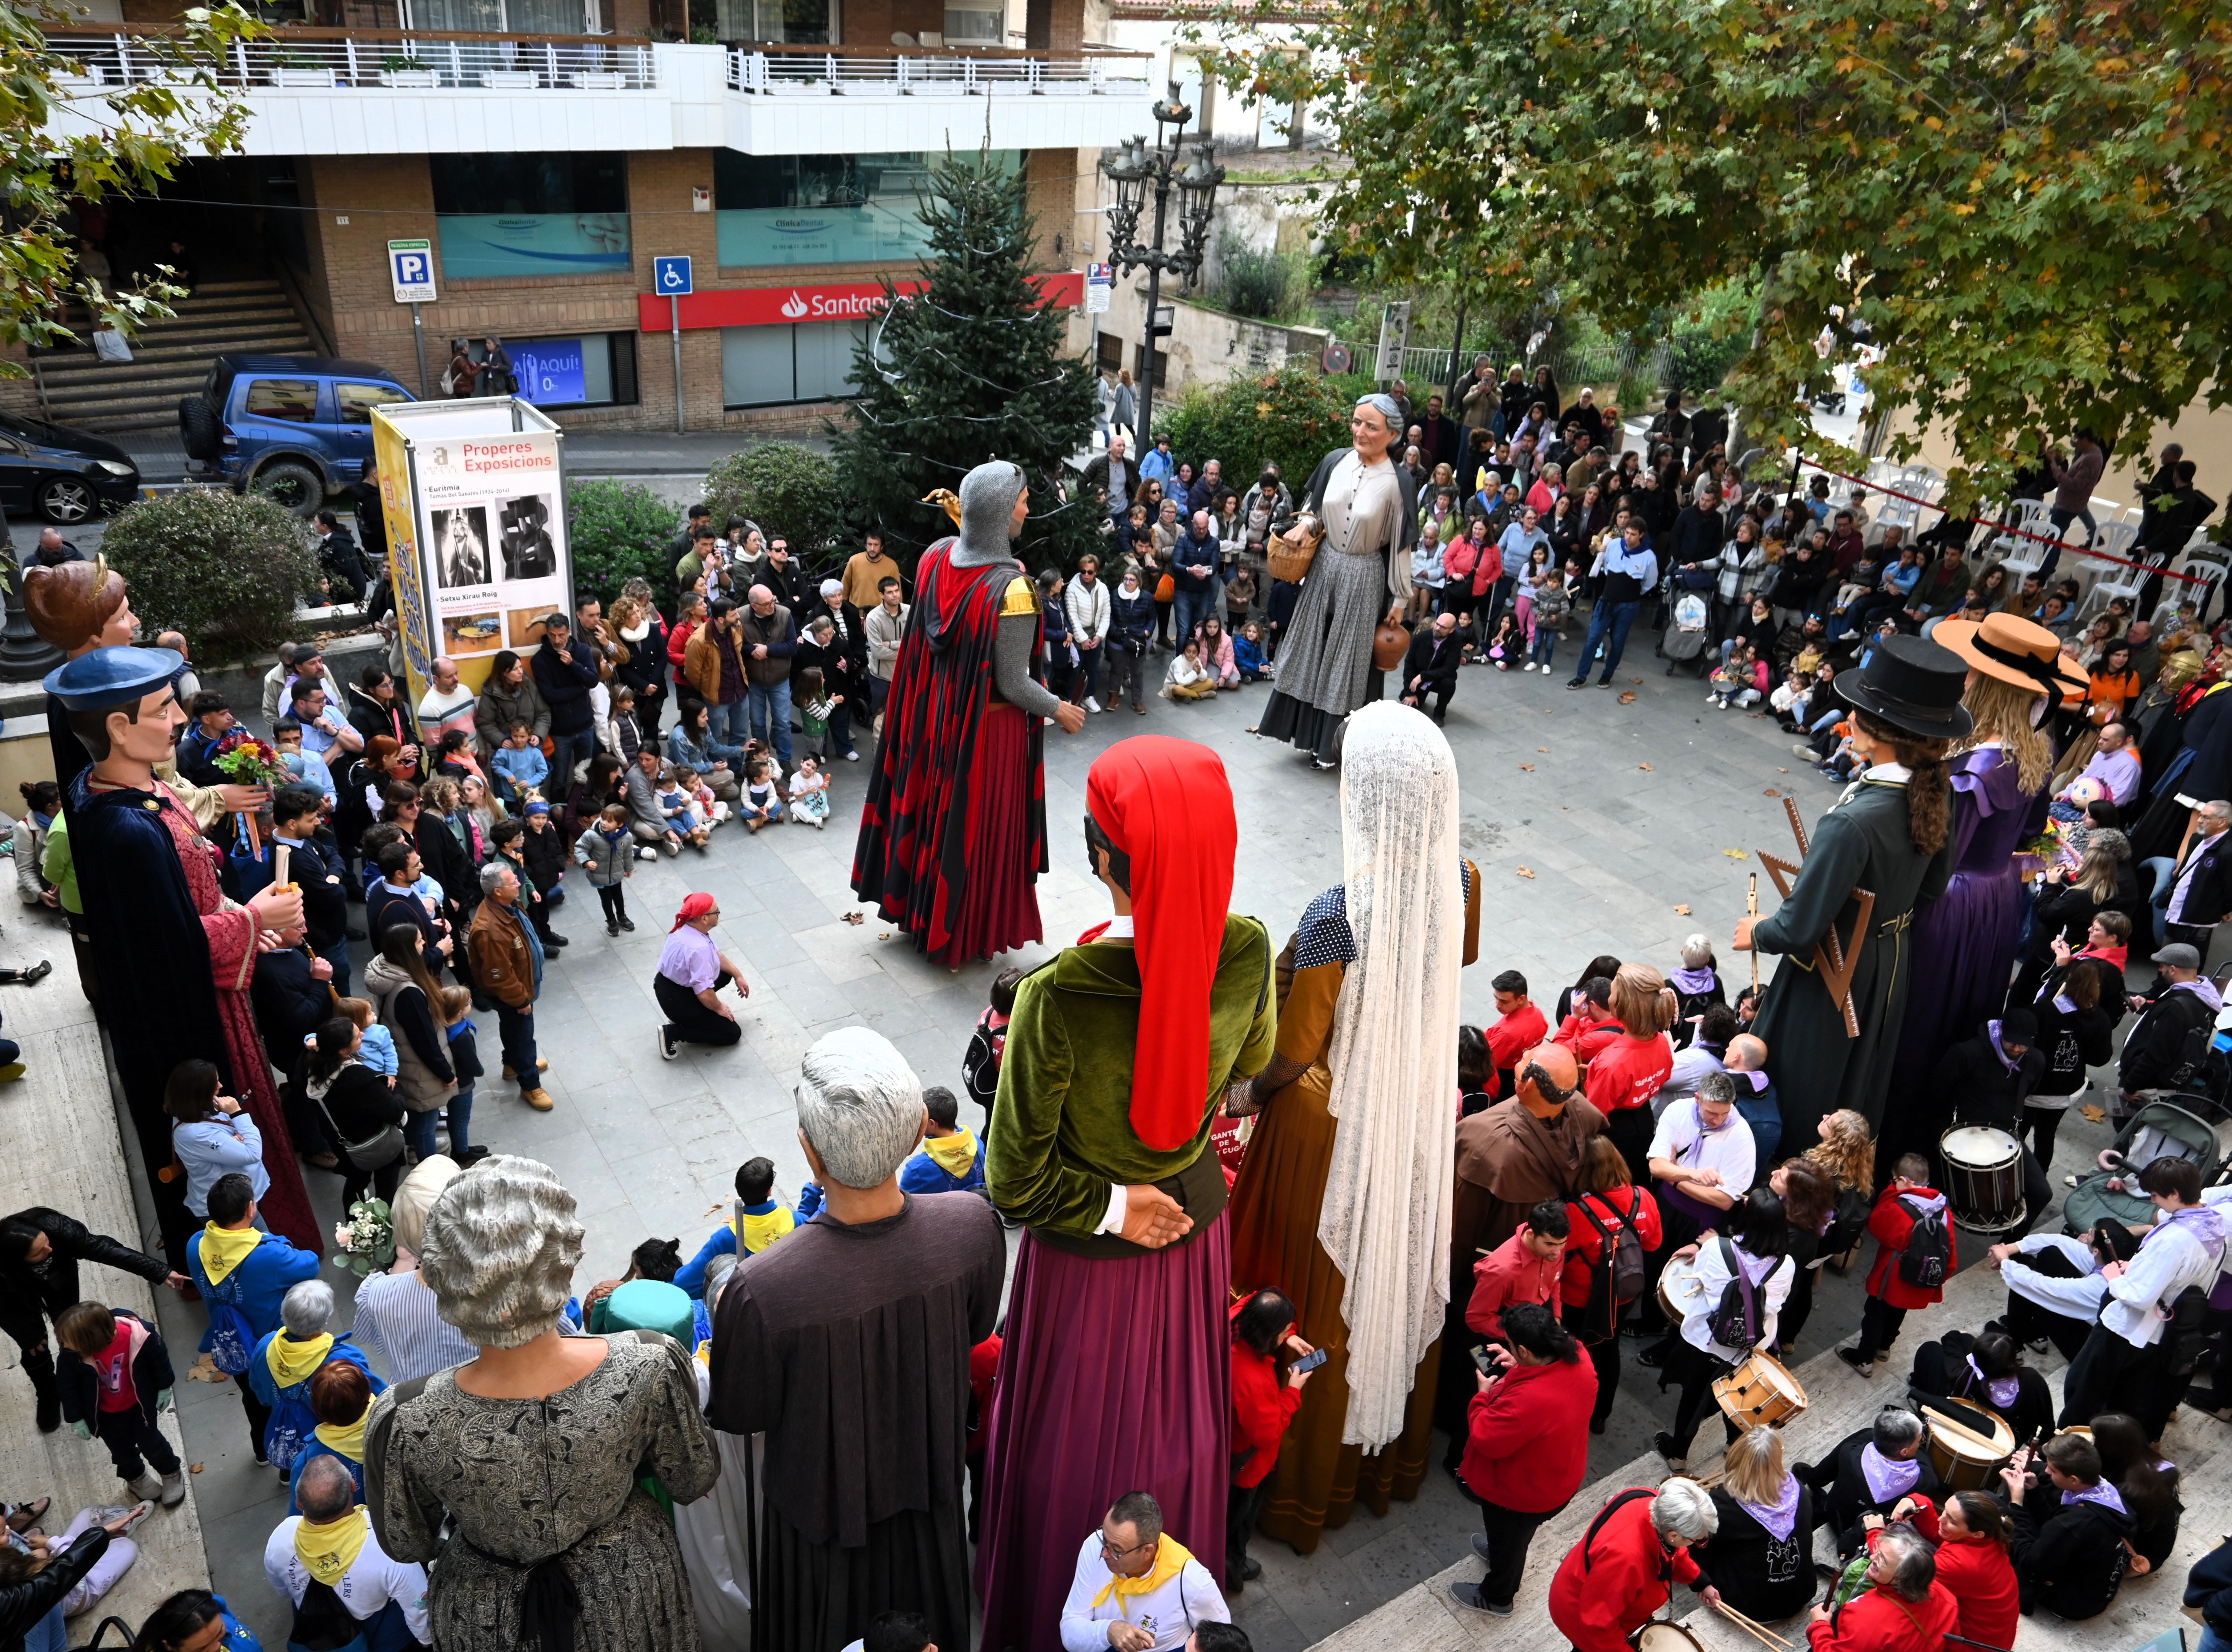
pixel 1137 166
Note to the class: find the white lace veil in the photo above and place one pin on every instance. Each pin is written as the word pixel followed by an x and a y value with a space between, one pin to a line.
pixel 1384 1220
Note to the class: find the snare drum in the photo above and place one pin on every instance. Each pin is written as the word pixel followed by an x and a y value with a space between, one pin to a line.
pixel 1983 1177
pixel 1759 1392
pixel 1968 1444
pixel 1679 1289
pixel 1659 1636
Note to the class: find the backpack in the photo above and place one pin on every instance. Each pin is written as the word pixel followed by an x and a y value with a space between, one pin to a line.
pixel 1848 1224
pixel 231 1339
pixel 322 1623
pixel 980 1067
pixel 1928 1249
pixel 1735 1322
pixel 450 381
pixel 2188 1332
pixel 1616 1278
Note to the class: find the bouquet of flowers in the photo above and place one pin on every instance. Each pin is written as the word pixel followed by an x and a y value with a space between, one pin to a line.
pixel 365 1242
pixel 247 761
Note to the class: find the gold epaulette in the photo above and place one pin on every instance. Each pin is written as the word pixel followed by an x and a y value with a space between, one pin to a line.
pixel 1023 598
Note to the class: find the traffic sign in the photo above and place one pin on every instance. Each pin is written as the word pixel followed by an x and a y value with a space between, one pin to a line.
pixel 411 265
pixel 1100 285
pixel 1335 358
pixel 670 277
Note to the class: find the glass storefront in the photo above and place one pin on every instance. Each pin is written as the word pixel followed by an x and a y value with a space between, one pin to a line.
pixel 809 361
pixel 776 209
pixel 507 215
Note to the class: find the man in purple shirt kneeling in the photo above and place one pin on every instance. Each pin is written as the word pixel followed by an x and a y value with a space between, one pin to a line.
pixel 691 972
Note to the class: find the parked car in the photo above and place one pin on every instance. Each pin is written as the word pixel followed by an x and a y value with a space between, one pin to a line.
pixel 63 475
pixel 292 428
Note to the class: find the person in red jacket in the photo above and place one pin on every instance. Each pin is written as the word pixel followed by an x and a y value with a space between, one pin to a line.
pixel 1904 1609
pixel 1526 1450
pixel 1262 1406
pixel 1519 1026
pixel 1609 1201
pixel 1909 1200
pixel 1971 1533
pixel 1590 1025
pixel 1525 1267
pixel 1625 1072
pixel 1621 1572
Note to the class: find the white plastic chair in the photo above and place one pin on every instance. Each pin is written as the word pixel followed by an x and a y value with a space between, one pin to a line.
pixel 2023 555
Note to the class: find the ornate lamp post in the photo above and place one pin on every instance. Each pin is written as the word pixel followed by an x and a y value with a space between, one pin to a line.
pixel 1133 172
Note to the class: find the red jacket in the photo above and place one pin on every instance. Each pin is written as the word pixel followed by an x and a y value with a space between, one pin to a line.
pixel 1511 1274
pixel 1262 1408
pixel 1628 1072
pixel 1513 1036
pixel 1584 1034
pixel 1979 1576
pixel 1607 1589
pixel 1879 1621
pixel 1583 1246
pixel 678 643
pixel 1527 1447
pixel 1892 1225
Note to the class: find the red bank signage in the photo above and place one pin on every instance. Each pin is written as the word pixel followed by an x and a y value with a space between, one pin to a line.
pixel 774 306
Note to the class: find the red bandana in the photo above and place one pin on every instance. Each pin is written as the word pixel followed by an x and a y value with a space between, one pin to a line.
pixel 693 907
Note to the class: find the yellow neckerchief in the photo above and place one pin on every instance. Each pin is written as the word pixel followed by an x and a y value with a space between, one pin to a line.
pixel 757 1229
pixel 329 1551
pixel 705 1348
pixel 293 1362
pixel 347 1440
pixel 226 1248
pixel 1170 1556
pixel 956 1154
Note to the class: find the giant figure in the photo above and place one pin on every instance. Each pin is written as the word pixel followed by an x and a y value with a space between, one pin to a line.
pixel 1115 1374
pixel 953 834
pixel 173 955
pixel 1343 1202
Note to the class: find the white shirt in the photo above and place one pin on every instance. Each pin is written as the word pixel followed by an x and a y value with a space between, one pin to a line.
pixel 1170 1613
pixel 1713 1275
pixel 372 1581
pixel 1682 1138
pixel 2172 1257
pixel 2077 1299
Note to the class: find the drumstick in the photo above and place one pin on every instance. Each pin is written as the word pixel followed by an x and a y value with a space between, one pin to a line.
pixel 1757 1631
pixel 1954 1427
pixel 1754 908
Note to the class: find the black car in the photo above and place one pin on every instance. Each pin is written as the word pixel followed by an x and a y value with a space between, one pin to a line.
pixel 62 475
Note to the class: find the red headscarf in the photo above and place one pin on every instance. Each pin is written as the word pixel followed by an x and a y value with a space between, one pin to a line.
pixel 693 907
pixel 1168 805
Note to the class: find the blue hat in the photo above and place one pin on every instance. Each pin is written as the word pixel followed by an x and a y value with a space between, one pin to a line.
pixel 538 807
pixel 107 677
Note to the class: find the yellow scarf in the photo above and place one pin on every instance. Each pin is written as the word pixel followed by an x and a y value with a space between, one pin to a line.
pixel 293 1362
pixel 226 1248
pixel 329 1551
pixel 956 1154
pixel 755 1232
pixel 347 1442
pixel 1170 1555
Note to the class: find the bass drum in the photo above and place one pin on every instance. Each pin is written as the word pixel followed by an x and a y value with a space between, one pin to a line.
pixel 1665 1638
pixel 1967 1445
pixel 1983 1177
pixel 1679 1290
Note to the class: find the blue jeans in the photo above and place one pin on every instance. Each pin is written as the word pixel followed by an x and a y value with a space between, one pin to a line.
pixel 567 751
pixel 2211 1640
pixel 1546 646
pixel 516 1029
pixel 2164 870
pixel 729 723
pixel 418 1128
pixel 48 1635
pixel 1194 605
pixel 770 704
pixel 2061 519
pixel 1610 626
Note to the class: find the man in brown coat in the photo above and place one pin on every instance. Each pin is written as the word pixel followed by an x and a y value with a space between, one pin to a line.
pixel 1509 1156
pixel 506 958
pixel 713 664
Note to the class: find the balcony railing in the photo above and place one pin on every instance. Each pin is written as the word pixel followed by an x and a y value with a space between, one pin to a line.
pixel 327 59
pixel 807 73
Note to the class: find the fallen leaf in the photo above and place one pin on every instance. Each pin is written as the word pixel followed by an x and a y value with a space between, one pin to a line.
pixel 1526 768
pixel 193 1468
pixel 1780 769
pixel 712 1210
pixel 1525 872
pixel 1541 749
pixel 1637 681
pixel 1643 766
pixel 1770 792
pixel 1627 697
pixel 1682 911
pixel 886 935
pixel 1735 854
pixel 854 917
pixel 2096 1114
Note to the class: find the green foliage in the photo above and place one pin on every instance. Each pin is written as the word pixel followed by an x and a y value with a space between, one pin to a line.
pixel 1256 283
pixel 786 489
pixel 620 531
pixel 127 142
pixel 1292 417
pixel 226 569
pixel 2026 203
pixel 1706 340
pixel 970 368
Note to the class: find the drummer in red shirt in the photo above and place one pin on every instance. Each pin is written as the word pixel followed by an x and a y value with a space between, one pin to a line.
pixel 1627 1070
pixel 1519 1026
pixel 1609 1202
pixel 1262 1406
pixel 1971 1533
pixel 1904 1609
pixel 1619 1574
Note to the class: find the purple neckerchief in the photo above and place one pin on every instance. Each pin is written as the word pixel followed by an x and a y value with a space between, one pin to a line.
pixel 1780 1518
pixel 2101 1493
pixel 1691 982
pixel 1888 1479
pixel 1992 1028
pixel 2002 1390
pixel 1705 1214
pixel 2204 989
pixel 2065 1003
pixel 2204 1224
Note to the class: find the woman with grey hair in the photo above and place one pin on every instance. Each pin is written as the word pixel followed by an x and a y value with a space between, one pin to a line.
pixel 1615 1579
pixel 535 1449
pixel 1903 1604
pixel 280 1369
pixel 1361 571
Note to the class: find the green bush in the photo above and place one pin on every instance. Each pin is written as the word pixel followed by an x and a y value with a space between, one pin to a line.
pixel 1292 417
pixel 620 531
pixel 786 489
pixel 225 569
pixel 1256 283
pixel 1705 342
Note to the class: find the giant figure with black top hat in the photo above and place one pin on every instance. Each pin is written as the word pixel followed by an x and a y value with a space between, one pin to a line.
pixel 1887 834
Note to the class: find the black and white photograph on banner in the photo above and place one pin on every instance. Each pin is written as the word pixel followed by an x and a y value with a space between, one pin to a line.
pixel 528 552
pixel 461 555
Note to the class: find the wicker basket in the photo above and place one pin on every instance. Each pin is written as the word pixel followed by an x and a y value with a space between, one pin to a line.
pixel 1290 562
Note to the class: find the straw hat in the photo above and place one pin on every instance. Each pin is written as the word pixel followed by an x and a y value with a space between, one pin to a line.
pixel 2013 650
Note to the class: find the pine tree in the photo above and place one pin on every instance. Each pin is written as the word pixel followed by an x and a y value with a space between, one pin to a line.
pixel 971 367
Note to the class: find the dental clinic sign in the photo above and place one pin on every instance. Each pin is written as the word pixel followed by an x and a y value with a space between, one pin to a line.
pixel 781 306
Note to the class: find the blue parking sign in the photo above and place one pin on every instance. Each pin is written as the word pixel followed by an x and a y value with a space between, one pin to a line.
pixel 669 277
pixel 411 265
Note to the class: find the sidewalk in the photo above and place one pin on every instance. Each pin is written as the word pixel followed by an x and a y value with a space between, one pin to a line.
pixel 589 452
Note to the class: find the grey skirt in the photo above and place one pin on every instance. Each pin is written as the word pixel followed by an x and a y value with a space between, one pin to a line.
pixel 1325 659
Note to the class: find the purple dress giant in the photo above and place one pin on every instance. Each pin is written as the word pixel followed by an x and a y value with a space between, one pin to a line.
pixel 1964 945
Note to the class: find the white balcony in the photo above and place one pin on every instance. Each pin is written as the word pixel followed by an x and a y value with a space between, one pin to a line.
pixel 331 92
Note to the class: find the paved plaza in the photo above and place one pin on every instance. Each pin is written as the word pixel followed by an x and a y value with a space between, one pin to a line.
pixel 1595 824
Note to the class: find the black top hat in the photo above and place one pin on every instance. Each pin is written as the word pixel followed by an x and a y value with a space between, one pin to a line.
pixel 1912 684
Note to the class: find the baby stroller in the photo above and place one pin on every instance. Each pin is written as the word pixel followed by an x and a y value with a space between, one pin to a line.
pixel 1685 631
pixel 2177 1124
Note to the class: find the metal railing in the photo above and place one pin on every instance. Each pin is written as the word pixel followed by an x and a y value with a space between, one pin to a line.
pixel 296 60
pixel 1602 366
pixel 830 73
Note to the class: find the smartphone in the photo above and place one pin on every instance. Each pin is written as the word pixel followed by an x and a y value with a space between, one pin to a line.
pixel 1312 1360
pixel 1484 1356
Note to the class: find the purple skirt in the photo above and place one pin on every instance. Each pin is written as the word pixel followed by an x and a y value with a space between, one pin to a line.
pixel 1115 1377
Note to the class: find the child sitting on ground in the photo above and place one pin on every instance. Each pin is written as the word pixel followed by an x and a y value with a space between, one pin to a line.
pixel 520 768
pixel 379 1051
pixel 809 795
pixel 1188 679
pixel 761 804
pixel 1507 643
pixel 756 1221
pixel 1742 681
pixel 679 803
pixel 607 853
pixel 1551 604
pixel 950 1158
pixel 1248 653
pixel 705 808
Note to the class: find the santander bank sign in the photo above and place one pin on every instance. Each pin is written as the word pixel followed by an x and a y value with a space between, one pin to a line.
pixel 779 305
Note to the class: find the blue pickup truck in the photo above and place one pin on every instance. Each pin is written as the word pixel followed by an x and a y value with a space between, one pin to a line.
pixel 292 428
